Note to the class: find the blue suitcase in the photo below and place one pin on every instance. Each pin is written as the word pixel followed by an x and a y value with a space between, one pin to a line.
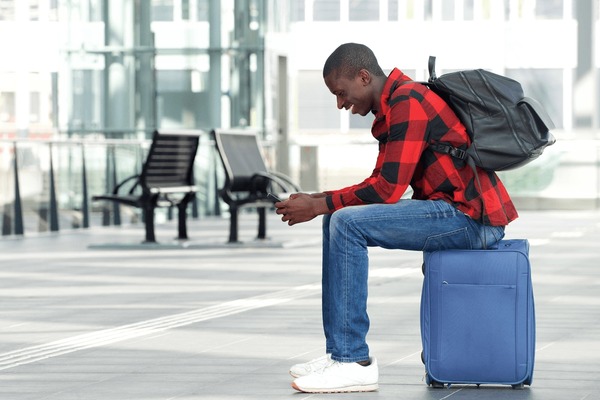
pixel 478 316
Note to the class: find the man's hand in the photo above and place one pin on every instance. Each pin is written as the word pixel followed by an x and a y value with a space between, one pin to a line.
pixel 301 207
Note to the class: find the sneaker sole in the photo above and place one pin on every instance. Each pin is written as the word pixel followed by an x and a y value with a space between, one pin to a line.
pixel 347 389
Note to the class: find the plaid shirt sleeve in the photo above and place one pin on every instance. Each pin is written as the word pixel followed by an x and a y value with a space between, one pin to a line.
pixel 411 115
pixel 399 153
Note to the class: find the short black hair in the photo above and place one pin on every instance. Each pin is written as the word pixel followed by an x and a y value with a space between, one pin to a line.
pixel 349 58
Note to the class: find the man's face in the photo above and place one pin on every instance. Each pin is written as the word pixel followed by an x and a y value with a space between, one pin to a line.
pixel 351 93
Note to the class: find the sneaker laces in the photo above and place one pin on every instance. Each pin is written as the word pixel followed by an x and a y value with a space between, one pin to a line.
pixel 324 360
pixel 329 364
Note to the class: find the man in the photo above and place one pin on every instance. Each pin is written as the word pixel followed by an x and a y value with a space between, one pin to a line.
pixel 446 209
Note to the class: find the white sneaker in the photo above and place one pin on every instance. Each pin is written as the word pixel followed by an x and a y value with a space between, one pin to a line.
pixel 338 377
pixel 298 370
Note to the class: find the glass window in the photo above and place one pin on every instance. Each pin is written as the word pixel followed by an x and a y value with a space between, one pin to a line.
pixel 410 9
pixel 34 10
pixel 173 81
pixel 549 9
pixel 279 16
pixel 34 107
pixel 7 107
pixel 469 10
pixel 448 10
pixel 7 10
pixel 544 85
pixel 182 98
pixel 162 10
pixel 185 10
pixel 296 10
pixel 364 10
pixel 326 10
pixel 95 10
pixel 202 8
pixel 316 105
pixel 428 11
pixel 53 10
pixel 392 10
pixel 87 98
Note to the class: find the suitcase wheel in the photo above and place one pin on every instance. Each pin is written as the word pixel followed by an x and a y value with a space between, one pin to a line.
pixel 436 384
pixel 433 383
pixel 519 386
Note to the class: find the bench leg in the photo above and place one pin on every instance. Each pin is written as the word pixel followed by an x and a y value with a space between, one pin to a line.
pixel 149 223
pixel 182 225
pixel 262 222
pixel 233 224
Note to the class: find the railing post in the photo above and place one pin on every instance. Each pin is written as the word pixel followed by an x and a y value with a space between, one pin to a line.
pixel 113 161
pixel 85 209
pixel 214 163
pixel 18 207
pixel 53 203
pixel 107 188
pixel 111 179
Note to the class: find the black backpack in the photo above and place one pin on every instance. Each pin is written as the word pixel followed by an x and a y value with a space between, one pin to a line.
pixel 507 129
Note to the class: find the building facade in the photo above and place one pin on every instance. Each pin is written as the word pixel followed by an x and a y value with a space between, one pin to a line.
pixel 89 70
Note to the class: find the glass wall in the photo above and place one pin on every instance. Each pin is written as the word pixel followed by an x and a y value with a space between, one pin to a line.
pixel 91 81
pixel 128 67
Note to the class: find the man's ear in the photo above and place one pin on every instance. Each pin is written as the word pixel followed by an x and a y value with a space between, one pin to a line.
pixel 365 76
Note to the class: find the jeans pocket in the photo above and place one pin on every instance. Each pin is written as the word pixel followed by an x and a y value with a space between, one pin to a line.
pixel 457 239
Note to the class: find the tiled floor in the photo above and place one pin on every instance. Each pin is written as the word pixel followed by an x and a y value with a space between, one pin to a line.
pixel 93 315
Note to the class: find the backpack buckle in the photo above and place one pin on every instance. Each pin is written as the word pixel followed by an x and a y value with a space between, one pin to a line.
pixel 458 153
pixel 450 150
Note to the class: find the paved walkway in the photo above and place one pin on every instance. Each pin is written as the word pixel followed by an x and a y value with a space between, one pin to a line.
pixel 81 318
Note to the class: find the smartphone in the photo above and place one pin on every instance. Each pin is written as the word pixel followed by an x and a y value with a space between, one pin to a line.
pixel 273 197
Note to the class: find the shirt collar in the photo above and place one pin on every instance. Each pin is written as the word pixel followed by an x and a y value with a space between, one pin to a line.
pixel 395 78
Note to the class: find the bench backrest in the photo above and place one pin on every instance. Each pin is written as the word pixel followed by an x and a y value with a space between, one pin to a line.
pixel 241 154
pixel 170 160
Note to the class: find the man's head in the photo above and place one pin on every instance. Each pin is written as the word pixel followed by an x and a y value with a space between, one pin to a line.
pixel 350 58
pixel 354 76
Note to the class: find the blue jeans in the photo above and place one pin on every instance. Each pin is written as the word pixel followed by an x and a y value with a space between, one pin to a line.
pixel 421 225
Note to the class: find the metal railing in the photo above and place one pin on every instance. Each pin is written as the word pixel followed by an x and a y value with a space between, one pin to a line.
pixel 46 185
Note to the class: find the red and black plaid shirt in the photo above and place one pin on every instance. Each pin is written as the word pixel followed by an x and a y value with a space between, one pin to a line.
pixel 410 114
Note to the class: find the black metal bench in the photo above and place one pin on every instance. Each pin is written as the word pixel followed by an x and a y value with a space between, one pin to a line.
pixel 247 178
pixel 166 180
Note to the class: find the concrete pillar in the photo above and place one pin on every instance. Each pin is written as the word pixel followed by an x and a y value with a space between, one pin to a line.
pixel 119 69
pixel 585 88
pixel 214 51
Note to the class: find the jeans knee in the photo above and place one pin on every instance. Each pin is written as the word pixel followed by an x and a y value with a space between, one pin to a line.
pixel 342 217
pixel 346 223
